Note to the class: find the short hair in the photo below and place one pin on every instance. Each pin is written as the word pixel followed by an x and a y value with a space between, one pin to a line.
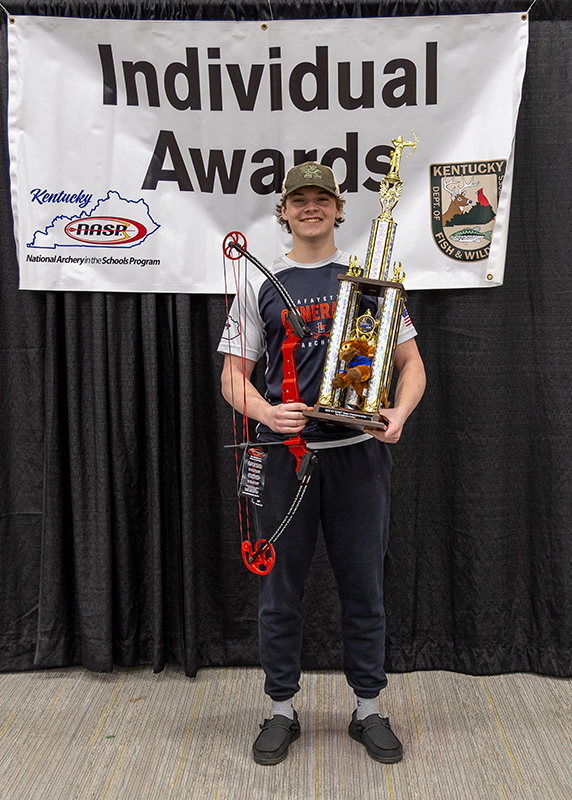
pixel 340 203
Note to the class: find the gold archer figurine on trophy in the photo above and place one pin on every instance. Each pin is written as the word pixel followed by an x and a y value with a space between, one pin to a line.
pixel 391 186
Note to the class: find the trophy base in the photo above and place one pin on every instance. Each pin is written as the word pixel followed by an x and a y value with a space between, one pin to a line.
pixel 348 417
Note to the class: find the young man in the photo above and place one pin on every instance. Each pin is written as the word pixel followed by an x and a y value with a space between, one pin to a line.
pixel 310 208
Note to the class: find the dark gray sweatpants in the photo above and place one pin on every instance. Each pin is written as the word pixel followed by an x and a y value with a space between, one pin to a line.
pixel 349 492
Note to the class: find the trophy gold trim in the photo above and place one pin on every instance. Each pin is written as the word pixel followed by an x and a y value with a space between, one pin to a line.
pixel 358 403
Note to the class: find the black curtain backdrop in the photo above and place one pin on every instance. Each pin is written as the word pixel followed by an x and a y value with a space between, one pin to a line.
pixel 119 536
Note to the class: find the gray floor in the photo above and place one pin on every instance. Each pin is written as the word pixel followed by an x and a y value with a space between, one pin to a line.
pixel 74 735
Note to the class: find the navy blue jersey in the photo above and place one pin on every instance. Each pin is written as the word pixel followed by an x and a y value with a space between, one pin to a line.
pixel 258 313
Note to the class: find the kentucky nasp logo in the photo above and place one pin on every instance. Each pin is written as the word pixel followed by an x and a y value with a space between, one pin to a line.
pixel 464 203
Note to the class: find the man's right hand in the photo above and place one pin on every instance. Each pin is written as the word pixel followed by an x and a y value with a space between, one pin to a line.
pixel 286 418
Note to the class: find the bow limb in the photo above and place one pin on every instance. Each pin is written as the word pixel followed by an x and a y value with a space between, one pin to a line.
pixel 297 324
pixel 262 558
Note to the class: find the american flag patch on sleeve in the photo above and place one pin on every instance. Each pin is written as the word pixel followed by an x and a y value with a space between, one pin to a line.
pixel 406 317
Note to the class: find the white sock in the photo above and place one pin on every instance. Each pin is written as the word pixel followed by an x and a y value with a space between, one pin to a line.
pixel 283 707
pixel 366 706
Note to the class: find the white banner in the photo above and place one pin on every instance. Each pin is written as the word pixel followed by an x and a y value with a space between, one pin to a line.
pixel 136 146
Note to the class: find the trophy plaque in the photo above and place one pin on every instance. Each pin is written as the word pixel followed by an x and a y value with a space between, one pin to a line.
pixel 359 360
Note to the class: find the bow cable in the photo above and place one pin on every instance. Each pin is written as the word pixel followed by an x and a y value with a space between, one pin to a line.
pixel 245 435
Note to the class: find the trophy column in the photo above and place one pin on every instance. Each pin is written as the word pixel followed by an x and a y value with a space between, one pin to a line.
pixel 346 305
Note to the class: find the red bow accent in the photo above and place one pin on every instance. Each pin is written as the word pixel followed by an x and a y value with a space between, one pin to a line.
pixel 290 391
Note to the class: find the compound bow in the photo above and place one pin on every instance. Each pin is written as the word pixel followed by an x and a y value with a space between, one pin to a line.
pixel 261 558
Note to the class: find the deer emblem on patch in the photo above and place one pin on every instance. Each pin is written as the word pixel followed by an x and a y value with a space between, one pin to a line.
pixel 459 200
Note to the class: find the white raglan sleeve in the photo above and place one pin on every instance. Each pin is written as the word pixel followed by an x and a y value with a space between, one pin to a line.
pixel 244 333
pixel 406 327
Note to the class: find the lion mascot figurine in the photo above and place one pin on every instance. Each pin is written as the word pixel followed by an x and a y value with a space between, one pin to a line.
pixel 357 355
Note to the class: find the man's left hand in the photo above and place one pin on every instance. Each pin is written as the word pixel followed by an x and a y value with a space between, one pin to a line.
pixel 394 428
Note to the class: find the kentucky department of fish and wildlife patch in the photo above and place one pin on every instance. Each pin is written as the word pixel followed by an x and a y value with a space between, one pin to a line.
pixel 464 202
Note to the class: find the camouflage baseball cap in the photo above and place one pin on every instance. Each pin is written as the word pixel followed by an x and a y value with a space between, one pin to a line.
pixel 310 173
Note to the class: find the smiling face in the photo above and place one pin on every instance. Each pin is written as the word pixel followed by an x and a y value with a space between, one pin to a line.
pixel 311 213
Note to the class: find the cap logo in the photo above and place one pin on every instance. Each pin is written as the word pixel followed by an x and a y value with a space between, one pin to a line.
pixel 311 171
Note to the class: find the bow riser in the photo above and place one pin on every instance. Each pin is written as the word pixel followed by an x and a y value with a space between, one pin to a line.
pixel 261 559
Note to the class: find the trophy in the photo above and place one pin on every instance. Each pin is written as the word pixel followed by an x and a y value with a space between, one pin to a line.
pixel 359 361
